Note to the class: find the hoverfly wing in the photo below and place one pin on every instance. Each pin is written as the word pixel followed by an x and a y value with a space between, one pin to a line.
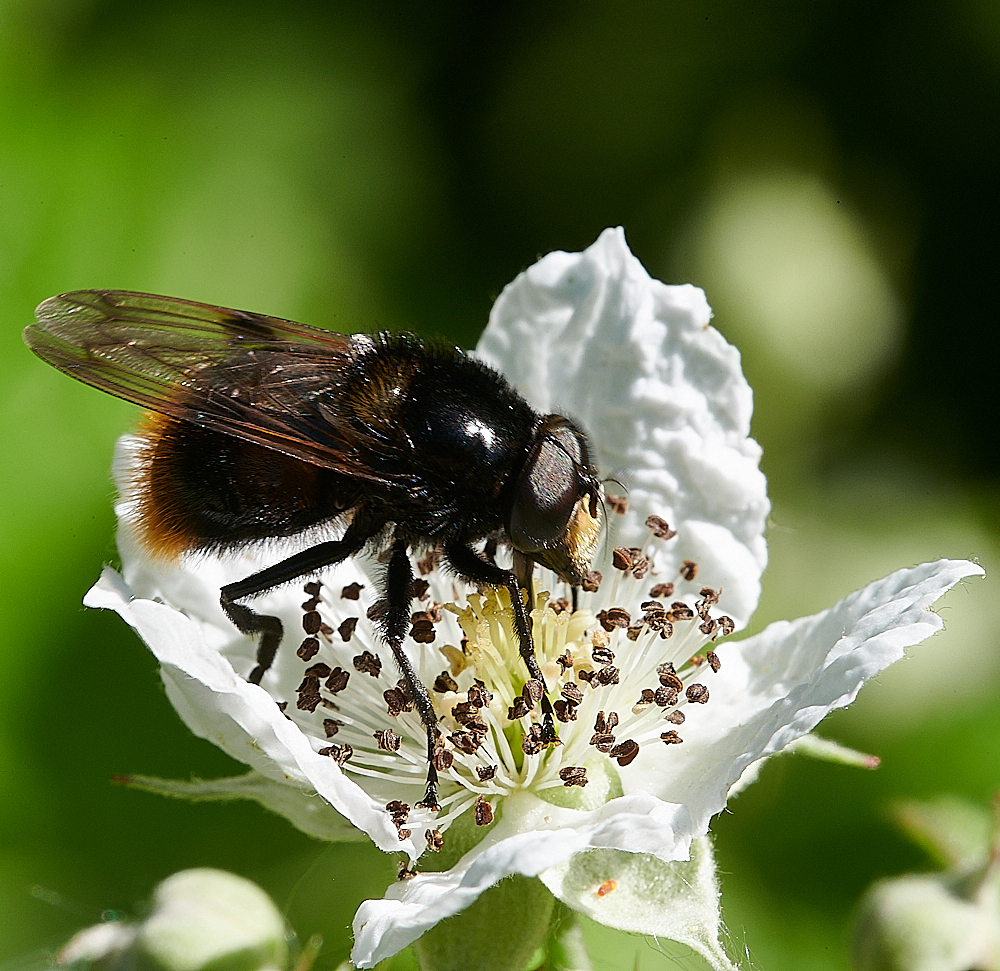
pixel 259 378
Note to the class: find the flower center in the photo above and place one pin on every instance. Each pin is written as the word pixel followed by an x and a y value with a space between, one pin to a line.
pixel 622 669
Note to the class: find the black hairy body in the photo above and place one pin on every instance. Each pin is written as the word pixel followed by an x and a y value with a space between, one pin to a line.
pixel 260 428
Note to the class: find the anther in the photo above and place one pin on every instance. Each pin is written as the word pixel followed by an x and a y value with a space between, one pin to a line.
pixel 662 590
pixel 602 655
pixel 666 697
pixel 697 694
pixel 308 649
pixel 434 840
pixel 573 775
pixel 668 676
pixel 533 742
pixel 659 528
pixel 399 811
pixel 337 681
pixel 618 504
pixel 572 693
pixel 713 661
pixel 607 675
pixel 483 812
pixel 352 591
pixel 486 772
pixel 676 718
pixel 592 580
pixel 423 631
pixel 311 621
pixel 346 629
pixel 625 752
pixel 420 589
pixel 680 611
pixel 565 661
pixel 388 740
pixel 331 726
pixel 478 695
pixel 445 682
pixel 671 738
pixel 319 670
pixel 689 570
pixel 466 742
pixel 368 663
pixel 442 758
pixel 339 753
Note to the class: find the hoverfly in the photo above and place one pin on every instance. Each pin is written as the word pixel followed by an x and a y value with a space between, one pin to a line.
pixel 260 428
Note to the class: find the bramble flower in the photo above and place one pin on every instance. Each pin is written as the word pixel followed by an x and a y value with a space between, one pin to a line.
pixel 659 713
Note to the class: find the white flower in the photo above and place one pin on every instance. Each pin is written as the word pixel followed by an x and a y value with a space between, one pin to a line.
pixel 658 741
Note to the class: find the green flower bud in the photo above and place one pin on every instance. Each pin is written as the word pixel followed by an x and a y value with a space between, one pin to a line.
pixel 200 920
pixel 925 923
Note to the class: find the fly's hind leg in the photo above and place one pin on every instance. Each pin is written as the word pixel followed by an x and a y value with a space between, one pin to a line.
pixel 301 564
pixel 396 620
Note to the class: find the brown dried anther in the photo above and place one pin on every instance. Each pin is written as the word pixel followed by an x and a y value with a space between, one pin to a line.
pixel 388 740
pixel 308 649
pixel 347 628
pixel 339 753
pixel 659 528
pixel 331 726
pixel 337 681
pixel 697 694
pixel 625 752
pixel 671 738
pixel 479 696
pixel 435 841
pixel 689 570
pixel 368 663
pixel 445 682
pixel 618 504
pixel 352 591
pixel 591 581
pixel 573 775
pixel 482 812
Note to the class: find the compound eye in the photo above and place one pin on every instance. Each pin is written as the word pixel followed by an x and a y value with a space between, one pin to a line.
pixel 547 490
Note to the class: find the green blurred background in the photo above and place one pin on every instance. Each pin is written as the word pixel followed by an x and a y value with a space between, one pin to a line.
pixel 827 171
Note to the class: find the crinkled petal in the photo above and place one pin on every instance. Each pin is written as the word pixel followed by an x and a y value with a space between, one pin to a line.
pixel 239 717
pixel 641 894
pixel 661 395
pixel 778 685
pixel 531 836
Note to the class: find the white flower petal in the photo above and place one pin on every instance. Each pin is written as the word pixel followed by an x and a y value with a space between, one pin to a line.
pixel 641 894
pixel 778 685
pixel 530 836
pixel 241 718
pixel 659 391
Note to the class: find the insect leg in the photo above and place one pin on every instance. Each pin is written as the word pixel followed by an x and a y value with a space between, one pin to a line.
pixel 398 597
pixel 469 565
pixel 301 564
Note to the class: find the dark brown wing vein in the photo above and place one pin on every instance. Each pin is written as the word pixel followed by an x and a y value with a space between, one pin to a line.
pixel 269 381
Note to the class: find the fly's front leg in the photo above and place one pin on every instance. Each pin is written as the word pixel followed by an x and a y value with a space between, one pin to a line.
pixel 396 618
pixel 469 565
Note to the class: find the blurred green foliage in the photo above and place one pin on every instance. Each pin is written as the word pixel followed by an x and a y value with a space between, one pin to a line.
pixel 826 170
